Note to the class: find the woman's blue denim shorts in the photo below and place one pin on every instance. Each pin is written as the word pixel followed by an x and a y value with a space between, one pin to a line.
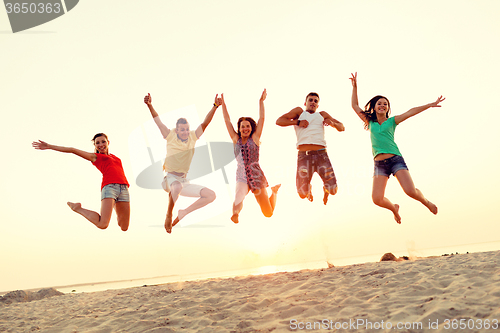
pixel 389 166
pixel 119 192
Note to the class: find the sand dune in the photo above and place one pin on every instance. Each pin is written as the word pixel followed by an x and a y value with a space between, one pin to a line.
pixel 459 293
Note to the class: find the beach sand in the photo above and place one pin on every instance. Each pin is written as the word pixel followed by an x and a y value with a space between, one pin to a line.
pixel 456 293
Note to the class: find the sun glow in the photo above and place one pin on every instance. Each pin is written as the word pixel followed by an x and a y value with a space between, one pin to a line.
pixel 267 270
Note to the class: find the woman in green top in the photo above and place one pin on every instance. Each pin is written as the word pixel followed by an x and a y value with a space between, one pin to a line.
pixel 387 158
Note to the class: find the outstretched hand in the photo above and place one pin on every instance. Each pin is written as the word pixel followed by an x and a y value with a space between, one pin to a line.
pixel 147 99
pixel 218 100
pixel 263 96
pixel 222 98
pixel 354 80
pixel 41 145
pixel 436 103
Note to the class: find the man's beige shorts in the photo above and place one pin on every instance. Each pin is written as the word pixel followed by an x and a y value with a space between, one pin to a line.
pixel 188 189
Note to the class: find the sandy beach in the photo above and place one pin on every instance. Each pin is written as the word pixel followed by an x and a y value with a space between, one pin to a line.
pixel 456 293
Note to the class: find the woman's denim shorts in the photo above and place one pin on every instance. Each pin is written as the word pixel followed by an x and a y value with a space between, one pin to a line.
pixel 389 166
pixel 119 192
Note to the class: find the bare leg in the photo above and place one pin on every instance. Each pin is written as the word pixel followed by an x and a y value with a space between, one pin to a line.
pixel 122 210
pixel 241 192
pixel 266 203
pixel 175 190
pixel 274 195
pixel 236 212
pixel 100 221
pixel 325 195
pixel 206 196
pixel 378 192
pixel 406 182
pixel 168 218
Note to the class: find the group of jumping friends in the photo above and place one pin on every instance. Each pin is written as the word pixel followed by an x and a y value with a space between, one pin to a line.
pixel 312 157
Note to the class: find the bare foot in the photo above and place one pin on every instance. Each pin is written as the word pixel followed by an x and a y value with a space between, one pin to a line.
pixel 396 214
pixel 74 206
pixel 325 195
pixel 432 207
pixel 180 216
pixel 275 188
pixel 168 223
pixel 234 218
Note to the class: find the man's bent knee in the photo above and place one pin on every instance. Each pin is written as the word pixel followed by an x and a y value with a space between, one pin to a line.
pixel 331 189
pixel 303 192
pixel 176 186
pixel 208 194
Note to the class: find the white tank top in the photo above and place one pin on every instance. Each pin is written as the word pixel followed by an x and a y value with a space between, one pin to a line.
pixel 314 133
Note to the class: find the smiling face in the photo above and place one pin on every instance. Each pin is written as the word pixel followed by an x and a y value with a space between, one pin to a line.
pixel 101 145
pixel 245 129
pixel 182 131
pixel 312 103
pixel 382 106
pixel 378 108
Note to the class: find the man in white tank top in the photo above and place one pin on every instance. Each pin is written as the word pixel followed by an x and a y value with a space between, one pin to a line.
pixel 311 144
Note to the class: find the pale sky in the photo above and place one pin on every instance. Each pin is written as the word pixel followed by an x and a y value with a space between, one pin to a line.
pixel 88 71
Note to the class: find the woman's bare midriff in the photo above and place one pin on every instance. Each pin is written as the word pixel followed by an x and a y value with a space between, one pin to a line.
pixel 310 147
pixel 381 157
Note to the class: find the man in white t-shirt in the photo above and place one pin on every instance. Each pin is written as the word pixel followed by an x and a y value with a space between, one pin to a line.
pixel 311 145
pixel 180 151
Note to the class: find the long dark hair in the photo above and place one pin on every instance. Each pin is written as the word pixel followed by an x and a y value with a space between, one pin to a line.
pixel 369 112
pixel 96 136
pixel 252 123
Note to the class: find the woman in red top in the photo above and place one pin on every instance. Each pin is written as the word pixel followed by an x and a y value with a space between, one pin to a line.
pixel 114 187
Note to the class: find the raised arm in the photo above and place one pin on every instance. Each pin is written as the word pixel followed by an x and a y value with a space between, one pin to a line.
pixel 418 109
pixel 262 116
pixel 210 115
pixel 41 145
pixel 354 98
pixel 163 129
pixel 292 118
pixel 329 120
pixel 227 120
